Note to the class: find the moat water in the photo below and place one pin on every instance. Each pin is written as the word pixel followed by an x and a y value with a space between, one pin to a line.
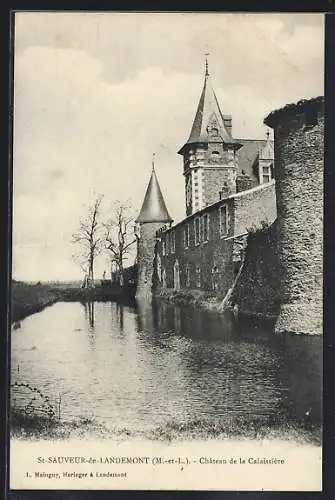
pixel 143 367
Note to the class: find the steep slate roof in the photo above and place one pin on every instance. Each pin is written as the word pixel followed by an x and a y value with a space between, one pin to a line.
pixel 247 155
pixel 208 108
pixel 153 207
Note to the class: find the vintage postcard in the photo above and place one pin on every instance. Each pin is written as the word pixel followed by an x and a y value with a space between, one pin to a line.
pixel 166 329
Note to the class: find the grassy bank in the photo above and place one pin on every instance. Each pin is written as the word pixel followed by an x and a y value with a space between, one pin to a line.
pixel 197 298
pixel 28 299
pixel 207 302
pixel 36 427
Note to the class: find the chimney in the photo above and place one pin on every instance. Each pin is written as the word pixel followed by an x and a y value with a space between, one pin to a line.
pixel 227 120
pixel 243 182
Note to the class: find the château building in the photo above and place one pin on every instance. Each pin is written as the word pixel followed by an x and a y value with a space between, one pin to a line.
pixel 229 189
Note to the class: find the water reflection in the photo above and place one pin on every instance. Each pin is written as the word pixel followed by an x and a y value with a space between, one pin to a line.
pixel 120 314
pixel 147 365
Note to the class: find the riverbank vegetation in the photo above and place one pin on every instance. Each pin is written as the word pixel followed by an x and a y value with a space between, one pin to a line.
pixel 27 299
pixel 250 428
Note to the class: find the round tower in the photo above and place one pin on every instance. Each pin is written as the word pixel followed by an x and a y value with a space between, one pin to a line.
pixel 153 216
pixel 299 156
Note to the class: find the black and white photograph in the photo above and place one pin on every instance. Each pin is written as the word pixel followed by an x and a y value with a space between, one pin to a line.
pixel 166 324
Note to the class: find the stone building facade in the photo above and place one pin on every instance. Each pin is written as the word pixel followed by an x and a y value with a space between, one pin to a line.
pixel 238 192
pixel 205 250
pixel 299 159
pixel 229 188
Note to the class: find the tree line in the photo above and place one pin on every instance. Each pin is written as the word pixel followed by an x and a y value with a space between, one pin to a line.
pixel 113 236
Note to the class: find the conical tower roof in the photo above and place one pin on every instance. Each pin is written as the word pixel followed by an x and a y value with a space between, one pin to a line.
pixel 207 117
pixel 153 207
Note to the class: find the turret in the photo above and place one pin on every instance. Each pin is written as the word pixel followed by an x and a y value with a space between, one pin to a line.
pixel 209 153
pixel 299 157
pixel 153 215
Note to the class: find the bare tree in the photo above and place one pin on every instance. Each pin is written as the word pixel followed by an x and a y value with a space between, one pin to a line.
pixel 89 239
pixel 119 236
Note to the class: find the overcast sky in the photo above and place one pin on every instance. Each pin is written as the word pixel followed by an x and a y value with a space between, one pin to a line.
pixel 95 94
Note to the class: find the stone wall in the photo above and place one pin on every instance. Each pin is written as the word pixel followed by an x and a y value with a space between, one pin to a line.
pixel 254 208
pixel 213 179
pixel 256 292
pixel 299 157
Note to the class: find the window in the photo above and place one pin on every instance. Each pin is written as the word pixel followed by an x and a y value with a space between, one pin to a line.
pixel 167 243
pixel 196 231
pixel 230 155
pixel 223 221
pixel 172 242
pixel 176 276
pixel 198 276
pixel 186 236
pixel 188 276
pixel 266 174
pixel 215 283
pixel 164 247
pixel 205 225
pixel 159 268
pixel 215 156
pixel 163 278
